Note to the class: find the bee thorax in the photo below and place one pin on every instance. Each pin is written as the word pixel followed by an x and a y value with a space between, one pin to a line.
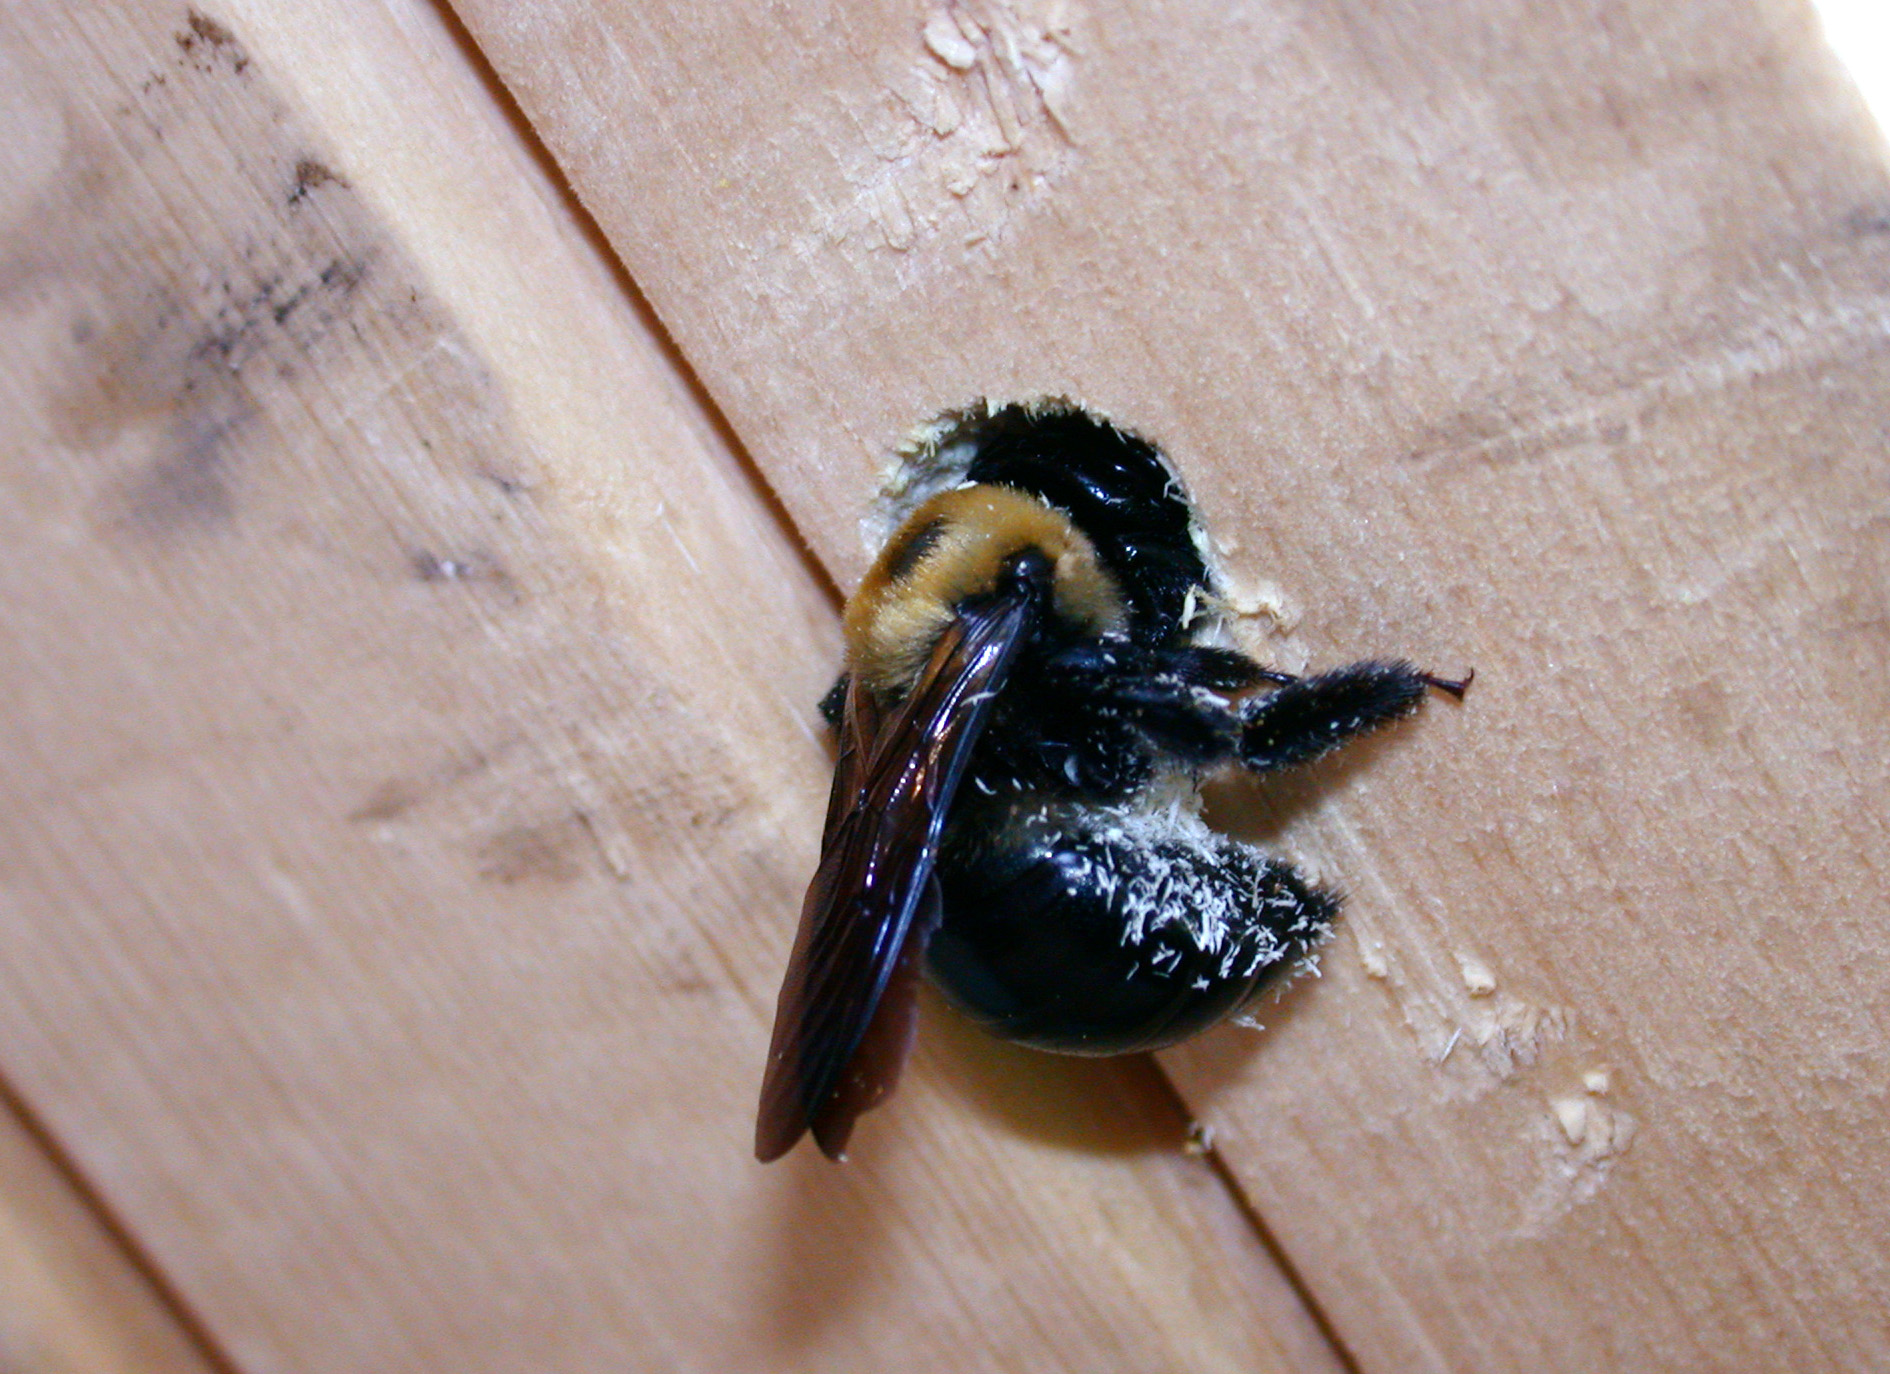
pixel 955 548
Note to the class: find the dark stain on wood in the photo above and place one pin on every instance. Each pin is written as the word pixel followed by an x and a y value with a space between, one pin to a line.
pixel 213 335
pixel 206 42
pixel 1868 221
pixel 188 483
pixel 513 487
pixel 389 801
pixel 395 797
pixel 311 173
pixel 547 852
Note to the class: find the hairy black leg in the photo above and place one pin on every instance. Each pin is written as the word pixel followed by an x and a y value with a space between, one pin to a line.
pixel 1311 716
pixel 1175 699
pixel 1224 670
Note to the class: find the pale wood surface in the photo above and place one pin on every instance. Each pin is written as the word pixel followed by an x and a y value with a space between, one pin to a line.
pixel 1552 339
pixel 399 848
pixel 411 776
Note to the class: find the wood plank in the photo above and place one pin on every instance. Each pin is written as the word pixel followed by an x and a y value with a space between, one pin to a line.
pixel 410 776
pixel 1549 339
pixel 72 1301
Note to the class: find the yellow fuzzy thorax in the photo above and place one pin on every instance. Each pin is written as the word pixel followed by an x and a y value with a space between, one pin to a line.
pixel 951 548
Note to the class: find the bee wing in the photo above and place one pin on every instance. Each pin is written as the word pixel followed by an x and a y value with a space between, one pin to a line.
pixel 845 1017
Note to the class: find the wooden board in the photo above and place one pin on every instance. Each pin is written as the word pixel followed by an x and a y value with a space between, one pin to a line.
pixel 410 777
pixel 1553 340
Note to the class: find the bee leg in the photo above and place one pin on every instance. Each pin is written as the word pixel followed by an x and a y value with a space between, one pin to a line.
pixel 834 704
pixel 1173 699
pixel 1311 716
pixel 1222 670
pixel 1190 724
pixel 1070 936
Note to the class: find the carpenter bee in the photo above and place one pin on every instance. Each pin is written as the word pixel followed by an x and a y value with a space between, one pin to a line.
pixel 1030 700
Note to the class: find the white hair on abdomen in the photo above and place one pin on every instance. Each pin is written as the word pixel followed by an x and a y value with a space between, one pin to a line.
pixel 1178 879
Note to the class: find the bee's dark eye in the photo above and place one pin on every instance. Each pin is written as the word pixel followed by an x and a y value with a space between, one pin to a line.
pixel 906 556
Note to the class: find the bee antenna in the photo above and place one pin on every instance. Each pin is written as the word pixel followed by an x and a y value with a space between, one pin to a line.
pixel 1455 686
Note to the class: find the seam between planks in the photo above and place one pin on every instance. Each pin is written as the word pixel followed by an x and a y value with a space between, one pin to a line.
pixel 764 491
pixel 1243 1203
pixel 191 1326
pixel 587 226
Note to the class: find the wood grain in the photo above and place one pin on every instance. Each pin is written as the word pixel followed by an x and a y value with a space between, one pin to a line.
pixel 1549 339
pixel 410 777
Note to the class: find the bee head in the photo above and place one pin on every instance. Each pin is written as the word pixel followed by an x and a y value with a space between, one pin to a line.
pixel 954 548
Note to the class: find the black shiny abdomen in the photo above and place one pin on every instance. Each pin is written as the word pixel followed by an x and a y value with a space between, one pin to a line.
pixel 1073 936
